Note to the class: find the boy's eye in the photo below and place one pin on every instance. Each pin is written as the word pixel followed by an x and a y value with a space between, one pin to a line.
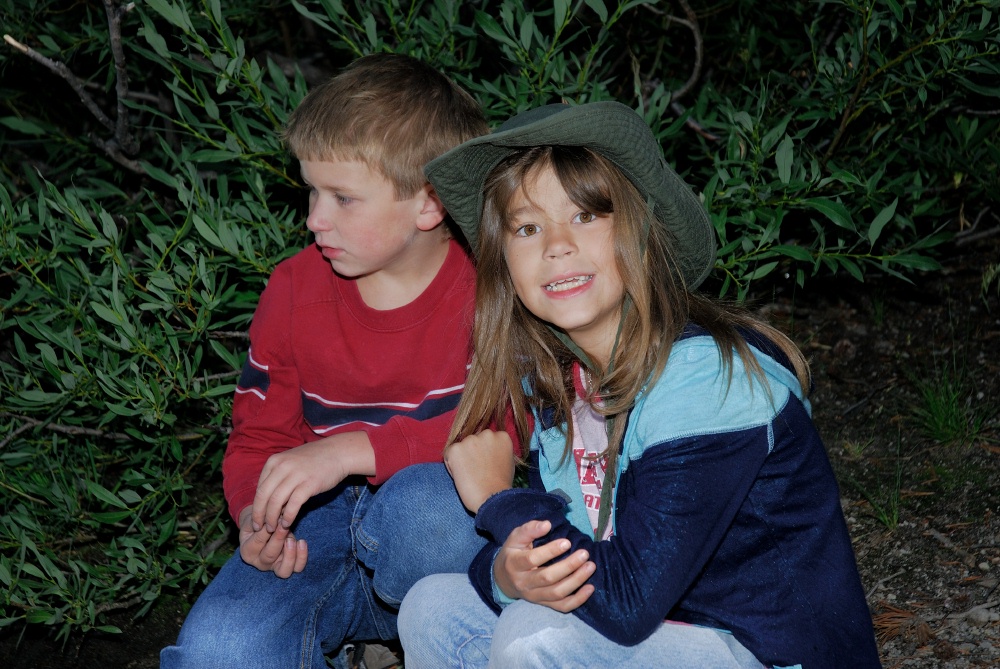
pixel 526 230
pixel 342 199
pixel 585 217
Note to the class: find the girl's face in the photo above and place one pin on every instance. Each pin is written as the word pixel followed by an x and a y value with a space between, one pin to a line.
pixel 562 263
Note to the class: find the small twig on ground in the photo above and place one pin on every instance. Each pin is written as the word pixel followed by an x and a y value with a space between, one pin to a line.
pixel 883 582
pixel 208 549
pixel 114 606
pixel 857 405
pixel 967 559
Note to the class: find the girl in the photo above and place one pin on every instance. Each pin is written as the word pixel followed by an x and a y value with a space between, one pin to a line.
pixel 681 506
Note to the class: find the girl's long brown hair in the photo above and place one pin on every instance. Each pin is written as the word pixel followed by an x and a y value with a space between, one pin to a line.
pixel 515 350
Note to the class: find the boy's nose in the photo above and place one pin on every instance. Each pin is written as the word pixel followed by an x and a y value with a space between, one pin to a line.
pixel 317 220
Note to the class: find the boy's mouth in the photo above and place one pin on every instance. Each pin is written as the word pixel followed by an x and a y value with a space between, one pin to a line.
pixel 568 284
pixel 331 253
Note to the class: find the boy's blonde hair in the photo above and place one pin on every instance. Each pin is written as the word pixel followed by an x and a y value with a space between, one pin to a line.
pixel 391 112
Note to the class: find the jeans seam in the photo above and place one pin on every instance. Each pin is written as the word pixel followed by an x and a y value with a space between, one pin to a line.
pixel 311 624
pixel 459 649
pixel 370 544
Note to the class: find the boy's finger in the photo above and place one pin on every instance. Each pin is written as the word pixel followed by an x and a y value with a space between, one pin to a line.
pixel 292 506
pixel 260 500
pixel 286 565
pixel 301 556
pixel 276 504
pixel 251 547
pixel 275 545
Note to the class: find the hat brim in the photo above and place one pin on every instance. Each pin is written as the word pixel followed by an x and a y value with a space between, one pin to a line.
pixel 611 129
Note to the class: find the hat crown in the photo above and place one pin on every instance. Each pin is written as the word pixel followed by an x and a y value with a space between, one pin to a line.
pixel 608 128
pixel 532 116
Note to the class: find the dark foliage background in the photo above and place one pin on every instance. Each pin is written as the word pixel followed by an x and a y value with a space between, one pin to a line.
pixel 145 198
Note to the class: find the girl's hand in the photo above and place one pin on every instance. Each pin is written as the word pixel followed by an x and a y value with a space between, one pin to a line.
pixel 561 586
pixel 482 464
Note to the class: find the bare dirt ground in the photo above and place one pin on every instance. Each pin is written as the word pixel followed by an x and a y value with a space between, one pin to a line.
pixel 924 511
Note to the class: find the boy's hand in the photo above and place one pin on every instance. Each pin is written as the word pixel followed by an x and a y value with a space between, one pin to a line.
pixel 290 478
pixel 561 586
pixel 481 464
pixel 277 551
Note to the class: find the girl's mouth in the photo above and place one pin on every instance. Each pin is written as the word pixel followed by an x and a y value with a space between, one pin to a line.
pixel 568 284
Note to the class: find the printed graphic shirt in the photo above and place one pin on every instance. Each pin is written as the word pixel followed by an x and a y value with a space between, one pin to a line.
pixel 590 440
pixel 321 362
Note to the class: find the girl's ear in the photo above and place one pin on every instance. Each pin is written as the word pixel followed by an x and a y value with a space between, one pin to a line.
pixel 431 210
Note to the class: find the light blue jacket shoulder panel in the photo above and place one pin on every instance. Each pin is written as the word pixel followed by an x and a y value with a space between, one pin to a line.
pixel 697 395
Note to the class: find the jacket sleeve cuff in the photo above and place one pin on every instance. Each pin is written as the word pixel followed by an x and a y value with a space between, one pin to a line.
pixel 508 509
pixel 481 576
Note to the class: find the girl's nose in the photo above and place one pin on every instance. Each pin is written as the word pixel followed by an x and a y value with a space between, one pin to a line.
pixel 559 242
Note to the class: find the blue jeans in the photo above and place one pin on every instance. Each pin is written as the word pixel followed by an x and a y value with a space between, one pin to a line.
pixel 366 548
pixel 443 623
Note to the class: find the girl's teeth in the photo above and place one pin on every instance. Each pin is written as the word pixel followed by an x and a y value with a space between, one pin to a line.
pixel 567 284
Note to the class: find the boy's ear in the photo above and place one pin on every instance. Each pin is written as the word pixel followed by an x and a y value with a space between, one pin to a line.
pixel 431 210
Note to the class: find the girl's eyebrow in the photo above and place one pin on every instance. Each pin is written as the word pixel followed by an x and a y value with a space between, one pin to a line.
pixel 527 208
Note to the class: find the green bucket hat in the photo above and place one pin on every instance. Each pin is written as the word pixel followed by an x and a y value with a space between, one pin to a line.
pixel 609 128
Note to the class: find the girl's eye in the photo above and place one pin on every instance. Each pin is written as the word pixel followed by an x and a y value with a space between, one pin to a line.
pixel 585 217
pixel 526 230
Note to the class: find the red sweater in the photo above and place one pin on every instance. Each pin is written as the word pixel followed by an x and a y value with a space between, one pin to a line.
pixel 323 362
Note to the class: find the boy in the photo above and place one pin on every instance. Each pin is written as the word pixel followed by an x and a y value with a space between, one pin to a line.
pixel 359 349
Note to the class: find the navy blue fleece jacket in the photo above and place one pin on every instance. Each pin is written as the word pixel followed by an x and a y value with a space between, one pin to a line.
pixel 727 514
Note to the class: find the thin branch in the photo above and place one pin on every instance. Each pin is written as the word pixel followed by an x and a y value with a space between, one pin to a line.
pixel 678 109
pixel 114 606
pixel 691 23
pixel 65 73
pixel 229 334
pixel 210 548
pixel 980 112
pixel 122 131
pixel 113 151
pixel 850 113
pixel 29 422
pixel 970 235
pixel 124 141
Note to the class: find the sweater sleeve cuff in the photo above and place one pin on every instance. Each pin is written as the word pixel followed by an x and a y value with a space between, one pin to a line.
pixel 240 500
pixel 391 451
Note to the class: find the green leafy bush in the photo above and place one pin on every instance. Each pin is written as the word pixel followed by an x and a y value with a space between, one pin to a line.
pixel 145 198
